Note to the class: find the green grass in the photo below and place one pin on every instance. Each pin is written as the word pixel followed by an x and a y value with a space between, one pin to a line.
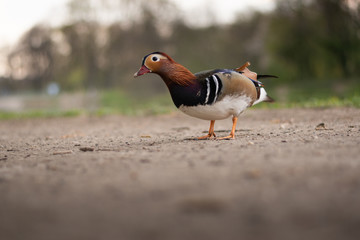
pixel 313 94
pixel 119 102
pixel 5 115
pixel 327 102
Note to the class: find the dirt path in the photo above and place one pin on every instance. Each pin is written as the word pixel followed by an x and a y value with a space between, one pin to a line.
pixel 140 178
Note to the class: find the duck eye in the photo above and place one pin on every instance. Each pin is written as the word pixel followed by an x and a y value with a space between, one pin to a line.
pixel 155 59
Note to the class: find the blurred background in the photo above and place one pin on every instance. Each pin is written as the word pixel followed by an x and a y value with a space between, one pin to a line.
pixel 67 57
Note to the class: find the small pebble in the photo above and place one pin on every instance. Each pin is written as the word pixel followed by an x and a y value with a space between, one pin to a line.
pixel 87 149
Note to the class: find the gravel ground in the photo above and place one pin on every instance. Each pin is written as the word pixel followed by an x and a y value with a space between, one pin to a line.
pixel 116 177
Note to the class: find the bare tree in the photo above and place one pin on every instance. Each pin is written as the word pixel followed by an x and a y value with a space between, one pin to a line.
pixel 33 58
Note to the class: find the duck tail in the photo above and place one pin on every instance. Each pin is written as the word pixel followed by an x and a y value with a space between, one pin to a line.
pixel 269 99
pixel 263 97
pixel 259 76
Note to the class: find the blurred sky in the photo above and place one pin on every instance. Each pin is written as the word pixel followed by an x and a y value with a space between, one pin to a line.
pixel 17 16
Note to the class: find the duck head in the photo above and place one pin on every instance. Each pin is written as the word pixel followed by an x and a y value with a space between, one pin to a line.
pixel 169 70
pixel 156 62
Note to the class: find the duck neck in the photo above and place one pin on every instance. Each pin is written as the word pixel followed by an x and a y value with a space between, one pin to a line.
pixel 183 86
pixel 179 75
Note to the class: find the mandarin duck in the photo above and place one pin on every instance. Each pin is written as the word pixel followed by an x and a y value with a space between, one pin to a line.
pixel 210 95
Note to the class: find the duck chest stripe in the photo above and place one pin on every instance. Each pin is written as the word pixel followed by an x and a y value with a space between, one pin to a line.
pixel 213 88
pixel 219 85
pixel 207 90
pixel 212 91
pixel 216 87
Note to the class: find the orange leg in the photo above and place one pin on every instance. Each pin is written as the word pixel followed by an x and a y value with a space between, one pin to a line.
pixel 211 131
pixel 232 133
